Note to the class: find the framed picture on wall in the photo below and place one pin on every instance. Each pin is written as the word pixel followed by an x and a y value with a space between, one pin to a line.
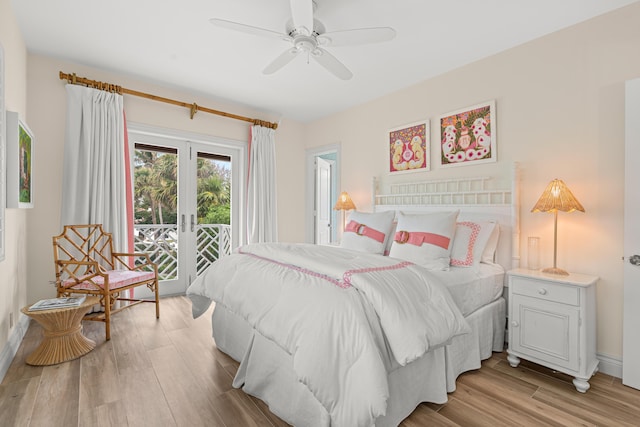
pixel 467 136
pixel 409 148
pixel 20 151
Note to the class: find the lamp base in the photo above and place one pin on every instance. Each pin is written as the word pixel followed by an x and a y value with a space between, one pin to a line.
pixel 555 270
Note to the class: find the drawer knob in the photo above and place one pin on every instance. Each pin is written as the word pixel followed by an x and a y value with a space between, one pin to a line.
pixel 515 324
pixel 542 291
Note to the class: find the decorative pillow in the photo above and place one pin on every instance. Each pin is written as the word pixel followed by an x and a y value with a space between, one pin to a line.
pixel 367 232
pixel 425 239
pixel 470 241
pixel 387 246
pixel 488 256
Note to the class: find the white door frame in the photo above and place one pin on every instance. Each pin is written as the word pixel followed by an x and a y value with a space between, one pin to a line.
pixel 310 191
pixel 631 315
pixel 236 150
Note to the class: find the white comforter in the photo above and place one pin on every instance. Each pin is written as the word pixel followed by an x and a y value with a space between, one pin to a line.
pixel 310 300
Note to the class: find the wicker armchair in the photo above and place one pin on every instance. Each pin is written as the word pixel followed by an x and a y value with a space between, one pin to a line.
pixel 86 264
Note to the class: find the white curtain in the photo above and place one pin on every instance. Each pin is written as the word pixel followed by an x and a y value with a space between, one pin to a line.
pixel 261 187
pixel 94 182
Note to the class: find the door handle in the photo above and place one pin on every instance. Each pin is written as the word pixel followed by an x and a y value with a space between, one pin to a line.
pixel 634 259
pixel 193 224
pixel 182 223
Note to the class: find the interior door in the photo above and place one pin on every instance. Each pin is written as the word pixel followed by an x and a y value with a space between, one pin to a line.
pixel 631 337
pixel 323 201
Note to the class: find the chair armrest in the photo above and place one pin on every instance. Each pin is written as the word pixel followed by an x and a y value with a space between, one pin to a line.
pixel 132 254
pixel 119 255
pixel 68 270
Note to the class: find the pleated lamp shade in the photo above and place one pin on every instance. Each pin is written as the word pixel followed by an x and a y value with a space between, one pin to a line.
pixel 344 202
pixel 557 197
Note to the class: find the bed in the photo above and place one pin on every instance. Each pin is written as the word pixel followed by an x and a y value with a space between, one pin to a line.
pixel 334 337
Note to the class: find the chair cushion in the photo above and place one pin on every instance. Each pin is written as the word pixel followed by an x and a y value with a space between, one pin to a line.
pixel 117 279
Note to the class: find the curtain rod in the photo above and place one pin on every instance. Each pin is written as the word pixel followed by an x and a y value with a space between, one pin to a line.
pixel 194 108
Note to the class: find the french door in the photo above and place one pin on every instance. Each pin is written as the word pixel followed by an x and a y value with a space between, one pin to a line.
pixel 188 202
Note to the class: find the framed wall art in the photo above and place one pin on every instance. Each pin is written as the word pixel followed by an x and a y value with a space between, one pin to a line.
pixel 467 136
pixel 20 151
pixel 409 148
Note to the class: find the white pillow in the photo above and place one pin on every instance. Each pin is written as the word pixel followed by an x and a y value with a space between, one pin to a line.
pixel 427 239
pixel 367 232
pixel 470 241
pixel 387 246
pixel 488 256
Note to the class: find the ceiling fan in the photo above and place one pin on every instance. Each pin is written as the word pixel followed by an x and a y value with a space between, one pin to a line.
pixel 307 36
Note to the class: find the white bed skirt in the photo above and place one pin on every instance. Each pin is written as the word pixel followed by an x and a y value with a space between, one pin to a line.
pixel 266 369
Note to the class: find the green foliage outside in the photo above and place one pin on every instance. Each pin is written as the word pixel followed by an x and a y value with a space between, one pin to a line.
pixel 156 189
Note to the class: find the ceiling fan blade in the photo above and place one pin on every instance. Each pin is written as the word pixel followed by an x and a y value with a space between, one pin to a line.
pixel 357 36
pixel 283 59
pixel 302 15
pixel 332 64
pixel 257 31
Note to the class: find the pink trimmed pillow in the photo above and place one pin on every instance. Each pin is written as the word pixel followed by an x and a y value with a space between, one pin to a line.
pixel 369 232
pixel 470 241
pixel 425 239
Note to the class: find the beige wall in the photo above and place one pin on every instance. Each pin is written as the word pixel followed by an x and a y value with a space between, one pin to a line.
pixel 13 270
pixel 560 102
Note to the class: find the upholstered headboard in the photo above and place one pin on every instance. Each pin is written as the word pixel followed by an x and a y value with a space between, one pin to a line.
pixel 477 198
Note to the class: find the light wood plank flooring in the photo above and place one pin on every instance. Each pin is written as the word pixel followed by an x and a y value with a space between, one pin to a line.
pixel 169 372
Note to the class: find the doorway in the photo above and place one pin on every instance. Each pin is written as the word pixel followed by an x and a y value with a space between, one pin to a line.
pixel 188 193
pixel 322 185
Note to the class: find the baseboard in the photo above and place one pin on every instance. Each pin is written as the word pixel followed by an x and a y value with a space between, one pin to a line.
pixel 609 365
pixel 15 339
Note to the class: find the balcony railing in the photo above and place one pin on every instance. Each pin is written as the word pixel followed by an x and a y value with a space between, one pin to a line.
pixel 161 243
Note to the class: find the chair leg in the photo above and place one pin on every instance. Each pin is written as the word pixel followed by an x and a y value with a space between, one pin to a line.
pixel 157 301
pixel 107 316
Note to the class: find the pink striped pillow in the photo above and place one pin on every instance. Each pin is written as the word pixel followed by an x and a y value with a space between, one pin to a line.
pixel 435 228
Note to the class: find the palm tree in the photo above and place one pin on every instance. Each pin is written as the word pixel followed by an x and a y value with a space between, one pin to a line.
pixel 144 189
pixel 211 191
pixel 164 173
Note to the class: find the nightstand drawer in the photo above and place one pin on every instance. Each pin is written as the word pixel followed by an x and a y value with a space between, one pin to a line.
pixel 545 290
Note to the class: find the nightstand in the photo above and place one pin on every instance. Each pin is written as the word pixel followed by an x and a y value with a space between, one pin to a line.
pixel 552 322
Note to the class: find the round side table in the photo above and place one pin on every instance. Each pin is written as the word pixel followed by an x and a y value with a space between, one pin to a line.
pixel 62 335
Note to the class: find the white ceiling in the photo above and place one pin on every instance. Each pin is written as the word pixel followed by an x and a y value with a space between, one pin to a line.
pixel 172 43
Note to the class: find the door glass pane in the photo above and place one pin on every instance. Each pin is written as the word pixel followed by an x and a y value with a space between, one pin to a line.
pixel 156 207
pixel 213 209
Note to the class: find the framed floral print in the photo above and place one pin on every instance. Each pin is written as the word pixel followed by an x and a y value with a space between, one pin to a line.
pixel 19 162
pixel 409 148
pixel 467 136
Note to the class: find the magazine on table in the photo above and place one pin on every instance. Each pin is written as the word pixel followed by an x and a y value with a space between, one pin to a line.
pixel 53 303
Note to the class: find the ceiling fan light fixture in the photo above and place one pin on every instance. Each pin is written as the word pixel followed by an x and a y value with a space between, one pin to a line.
pixel 308 35
pixel 305 43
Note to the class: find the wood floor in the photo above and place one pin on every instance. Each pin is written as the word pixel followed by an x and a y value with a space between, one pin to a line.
pixel 169 372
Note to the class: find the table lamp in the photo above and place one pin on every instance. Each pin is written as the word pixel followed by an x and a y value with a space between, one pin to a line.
pixel 556 197
pixel 344 203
